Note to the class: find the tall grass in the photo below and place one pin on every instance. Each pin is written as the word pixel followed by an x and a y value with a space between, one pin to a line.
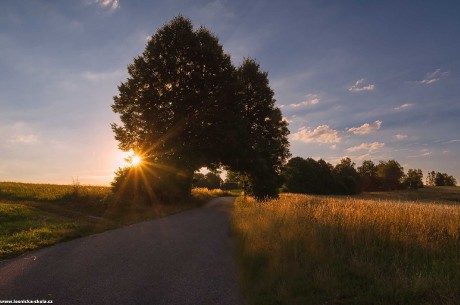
pixel 335 250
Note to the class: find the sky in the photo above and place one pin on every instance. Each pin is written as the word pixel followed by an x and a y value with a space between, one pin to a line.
pixel 371 80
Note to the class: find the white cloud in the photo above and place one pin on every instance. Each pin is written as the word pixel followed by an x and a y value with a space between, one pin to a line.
pixel 404 106
pixel 286 120
pixel 321 134
pixel 433 77
pixel 400 136
pixel 370 147
pixel 101 76
pixel 110 5
pixel 366 128
pixel 423 153
pixel 24 139
pixel 333 146
pixel 359 86
pixel 312 99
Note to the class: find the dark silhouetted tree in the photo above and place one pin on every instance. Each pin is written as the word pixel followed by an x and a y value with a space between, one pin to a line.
pixel 266 146
pixel 347 178
pixel 210 180
pixel 185 106
pixel 443 179
pixel 310 177
pixel 368 176
pixel 430 178
pixel 413 179
pixel 390 174
pixel 299 176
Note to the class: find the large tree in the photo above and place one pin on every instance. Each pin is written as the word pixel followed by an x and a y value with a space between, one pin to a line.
pixel 178 104
pixel 185 106
pixel 265 144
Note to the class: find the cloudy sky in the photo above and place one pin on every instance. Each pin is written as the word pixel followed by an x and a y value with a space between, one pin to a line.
pixel 372 80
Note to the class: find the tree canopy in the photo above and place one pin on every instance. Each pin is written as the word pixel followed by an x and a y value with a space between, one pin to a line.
pixel 185 106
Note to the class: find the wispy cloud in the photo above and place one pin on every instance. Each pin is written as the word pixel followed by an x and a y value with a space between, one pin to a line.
pixel 321 134
pixel 359 86
pixel 109 5
pixel 400 136
pixel 24 139
pixel 101 76
pixel 433 77
pixel 311 99
pixel 366 128
pixel 370 147
pixel 404 106
pixel 453 141
pixel 423 153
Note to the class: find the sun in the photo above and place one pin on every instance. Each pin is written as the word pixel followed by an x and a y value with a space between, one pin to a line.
pixel 135 160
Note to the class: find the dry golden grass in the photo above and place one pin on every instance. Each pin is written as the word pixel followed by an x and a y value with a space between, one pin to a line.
pixel 339 250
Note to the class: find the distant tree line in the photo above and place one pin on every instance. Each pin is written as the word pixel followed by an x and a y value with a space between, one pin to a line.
pixel 210 180
pixel 319 177
pixel 440 179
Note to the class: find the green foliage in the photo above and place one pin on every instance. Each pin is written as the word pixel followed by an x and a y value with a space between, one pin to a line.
pixel 308 176
pixel 390 174
pixel 185 106
pixel 210 180
pixel 368 176
pixel 413 179
pixel 347 177
pixel 266 143
pixel 440 179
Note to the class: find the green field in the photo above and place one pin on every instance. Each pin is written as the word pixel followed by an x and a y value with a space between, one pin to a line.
pixel 37 215
pixel 378 248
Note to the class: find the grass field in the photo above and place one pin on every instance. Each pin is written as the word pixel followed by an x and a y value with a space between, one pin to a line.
pixel 370 249
pixel 37 215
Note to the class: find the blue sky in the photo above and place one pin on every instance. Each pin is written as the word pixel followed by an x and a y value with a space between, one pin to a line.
pixel 372 80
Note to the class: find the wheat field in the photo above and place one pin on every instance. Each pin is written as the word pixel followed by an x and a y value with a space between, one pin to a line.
pixel 303 249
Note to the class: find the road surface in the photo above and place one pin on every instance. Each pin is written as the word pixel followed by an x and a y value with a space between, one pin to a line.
pixel 180 259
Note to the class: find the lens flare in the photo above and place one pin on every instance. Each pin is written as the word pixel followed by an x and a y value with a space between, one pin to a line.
pixel 136 160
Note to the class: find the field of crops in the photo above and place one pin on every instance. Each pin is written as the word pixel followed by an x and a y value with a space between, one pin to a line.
pixel 370 249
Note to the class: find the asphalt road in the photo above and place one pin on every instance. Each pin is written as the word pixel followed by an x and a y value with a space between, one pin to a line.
pixel 180 259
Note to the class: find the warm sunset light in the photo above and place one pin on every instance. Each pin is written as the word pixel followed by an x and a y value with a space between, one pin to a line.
pixel 136 160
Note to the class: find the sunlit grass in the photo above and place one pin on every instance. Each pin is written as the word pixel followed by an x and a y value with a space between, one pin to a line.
pixel 24 228
pixel 338 250
pixel 37 215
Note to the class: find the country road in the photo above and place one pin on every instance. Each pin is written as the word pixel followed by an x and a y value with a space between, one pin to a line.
pixel 180 259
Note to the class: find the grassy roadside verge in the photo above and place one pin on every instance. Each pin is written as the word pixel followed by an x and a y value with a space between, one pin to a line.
pixel 37 215
pixel 341 250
